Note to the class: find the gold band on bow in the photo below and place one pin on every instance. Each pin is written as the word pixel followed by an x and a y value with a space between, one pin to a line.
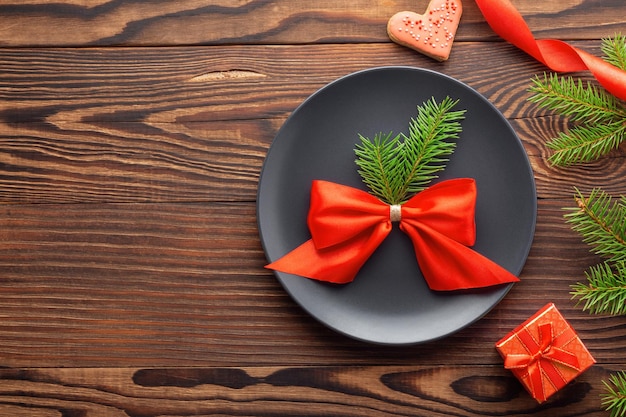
pixel 395 213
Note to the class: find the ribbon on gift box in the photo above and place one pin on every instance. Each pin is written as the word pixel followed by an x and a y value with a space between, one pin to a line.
pixel 557 55
pixel 347 225
pixel 542 357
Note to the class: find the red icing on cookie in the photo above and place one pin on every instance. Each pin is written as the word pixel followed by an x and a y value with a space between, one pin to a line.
pixel 431 33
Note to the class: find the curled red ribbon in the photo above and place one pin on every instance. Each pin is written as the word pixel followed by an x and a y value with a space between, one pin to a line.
pixel 347 225
pixel 542 357
pixel 557 55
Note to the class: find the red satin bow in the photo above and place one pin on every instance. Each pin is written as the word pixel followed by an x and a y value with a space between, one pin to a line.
pixel 557 55
pixel 347 225
pixel 542 357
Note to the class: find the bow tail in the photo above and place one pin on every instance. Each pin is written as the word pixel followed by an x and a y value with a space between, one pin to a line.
pixel 449 265
pixel 557 55
pixel 339 263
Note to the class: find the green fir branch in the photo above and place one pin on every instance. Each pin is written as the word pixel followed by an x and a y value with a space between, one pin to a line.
pixel 396 167
pixel 574 99
pixel 586 143
pixel 379 163
pixel 601 222
pixel 614 397
pixel 599 118
pixel 605 290
pixel 429 144
pixel 614 50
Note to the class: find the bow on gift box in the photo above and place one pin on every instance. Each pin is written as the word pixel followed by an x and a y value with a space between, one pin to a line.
pixel 541 358
pixel 347 225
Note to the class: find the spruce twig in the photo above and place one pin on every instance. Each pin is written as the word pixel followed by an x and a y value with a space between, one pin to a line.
pixel 379 163
pixel 396 167
pixel 599 118
pixel 605 291
pixel 614 397
pixel 602 223
pixel 586 143
pixel 574 99
pixel 614 50
pixel 429 143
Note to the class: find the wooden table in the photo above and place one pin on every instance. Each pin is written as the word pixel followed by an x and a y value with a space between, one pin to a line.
pixel 132 135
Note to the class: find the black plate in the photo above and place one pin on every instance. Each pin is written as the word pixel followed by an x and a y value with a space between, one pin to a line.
pixel 389 302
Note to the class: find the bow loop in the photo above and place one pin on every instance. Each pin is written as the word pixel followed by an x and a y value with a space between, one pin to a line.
pixel 536 350
pixel 338 213
pixel 541 359
pixel 347 225
pixel 448 207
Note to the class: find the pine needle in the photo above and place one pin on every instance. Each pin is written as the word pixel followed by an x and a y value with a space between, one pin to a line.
pixel 379 163
pixel 614 50
pixel 396 167
pixel 602 223
pixel 574 99
pixel 601 220
pixel 605 290
pixel 586 143
pixel 614 397
pixel 599 118
pixel 426 149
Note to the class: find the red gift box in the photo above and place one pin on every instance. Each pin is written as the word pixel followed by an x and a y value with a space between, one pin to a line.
pixel 544 353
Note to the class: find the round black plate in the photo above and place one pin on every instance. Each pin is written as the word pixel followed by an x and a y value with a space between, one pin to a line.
pixel 389 302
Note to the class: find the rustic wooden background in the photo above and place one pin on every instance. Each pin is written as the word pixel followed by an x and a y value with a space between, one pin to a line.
pixel 132 134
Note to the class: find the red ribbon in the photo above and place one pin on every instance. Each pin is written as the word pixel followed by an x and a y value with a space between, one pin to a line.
pixel 542 357
pixel 347 225
pixel 557 55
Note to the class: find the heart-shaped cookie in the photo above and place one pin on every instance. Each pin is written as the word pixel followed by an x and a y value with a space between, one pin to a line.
pixel 431 33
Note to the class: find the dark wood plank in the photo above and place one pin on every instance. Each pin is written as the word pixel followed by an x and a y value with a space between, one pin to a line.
pixel 133 162
pixel 176 124
pixel 342 391
pixel 81 23
pixel 209 161
pixel 78 89
pixel 184 284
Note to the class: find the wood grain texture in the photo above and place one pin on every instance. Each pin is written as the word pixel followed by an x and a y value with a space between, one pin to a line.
pixel 203 22
pixel 188 124
pixel 95 285
pixel 66 87
pixel 378 391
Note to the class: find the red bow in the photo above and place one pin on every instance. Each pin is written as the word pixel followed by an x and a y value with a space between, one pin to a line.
pixel 347 225
pixel 542 357
pixel 557 55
